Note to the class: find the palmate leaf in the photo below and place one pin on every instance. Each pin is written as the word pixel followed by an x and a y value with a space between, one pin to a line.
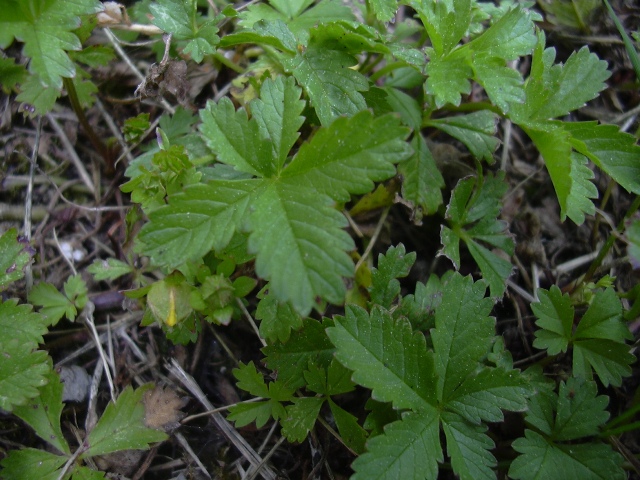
pixel 471 216
pixel 297 234
pixel 574 413
pixel 598 341
pixel 45 27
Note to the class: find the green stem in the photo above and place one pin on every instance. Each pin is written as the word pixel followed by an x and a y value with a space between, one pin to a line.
pixel 609 243
pixel 98 144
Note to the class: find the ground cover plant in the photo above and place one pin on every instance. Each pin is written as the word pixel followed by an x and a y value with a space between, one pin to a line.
pixel 319 239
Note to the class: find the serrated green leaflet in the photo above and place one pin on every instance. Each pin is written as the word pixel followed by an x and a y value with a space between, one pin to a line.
pixel 395 264
pixel 21 377
pixel 476 130
pixel 401 452
pixel 14 256
pixel 45 28
pixel 469 448
pixel 43 413
pixel 301 417
pixel 121 426
pixel 386 356
pixel 37 463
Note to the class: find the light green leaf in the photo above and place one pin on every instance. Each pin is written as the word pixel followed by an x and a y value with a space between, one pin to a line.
pixel 422 182
pixel 277 319
pixel 352 434
pixel 250 380
pixel 243 414
pixel 348 156
pixel 39 464
pixel 395 264
pixel 274 33
pixel 236 140
pixel 448 78
pixel 300 246
pixel 121 426
pixel 463 333
pixel 568 173
pixel 512 36
pixel 45 28
pixel 333 87
pixel 483 397
pixel 541 459
pixel 290 8
pixel 384 10
pixel 610 360
pixel 22 371
pixel 633 248
pixel 409 448
pixel 555 318
pixel 181 18
pixel 301 417
pixel 502 84
pixel 308 345
pixel 18 322
pixel 41 98
pixel 476 130
pixel 42 413
pixel 54 304
pixel 86 473
pixel 471 216
pixel 194 222
pixel 445 22
pixel 14 257
pixel 386 356
pixel 469 448
pixel 109 269
pixel 277 113
pixel 615 152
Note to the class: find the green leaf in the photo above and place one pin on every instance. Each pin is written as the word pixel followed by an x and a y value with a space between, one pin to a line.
pixel 55 305
pixel 555 90
pixel 109 269
pixel 574 413
pixel 37 463
pixel 569 174
pixel 121 426
pixel 422 182
pixel 290 8
pixel 448 79
pixel 274 33
pixel 409 448
pixel 277 319
pixel 181 18
pixel 469 448
pixel 250 380
pixel 541 459
pixel 45 28
pixel 614 151
pixel 22 371
pixel 12 74
pixel 201 218
pixel 236 140
pixel 300 246
pixel 633 248
pixel 555 318
pixel 307 345
pixel 277 113
pixel 347 157
pixel 43 413
pixel 333 87
pixel 476 130
pixel 395 264
pixel 19 323
pixel 445 22
pixel 14 257
pixel 598 341
pixel 34 94
pixel 463 333
pixel 353 435
pixel 419 308
pixel 386 356
pixel 502 84
pixel 471 214
pixel 301 417
pixel 384 10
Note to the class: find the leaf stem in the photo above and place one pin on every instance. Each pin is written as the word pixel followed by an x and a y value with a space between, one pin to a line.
pixel 609 243
pixel 88 129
